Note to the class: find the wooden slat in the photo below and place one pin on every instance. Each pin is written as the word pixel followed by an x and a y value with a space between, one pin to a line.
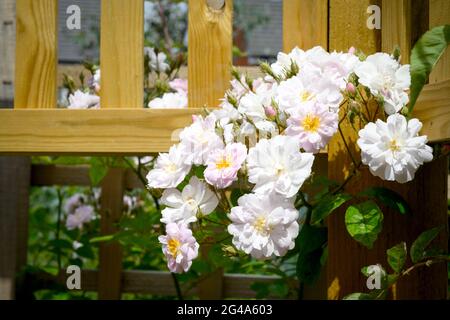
pixel 347 26
pixel 396 27
pixel 440 15
pixel 305 24
pixel 161 282
pixel 122 53
pixel 209 58
pixel 110 253
pixel 36 54
pixel 132 132
pixel 65 175
pixel 433 109
pixel 14 197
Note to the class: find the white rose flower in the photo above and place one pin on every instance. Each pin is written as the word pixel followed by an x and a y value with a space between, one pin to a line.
pixel 253 105
pixel 393 150
pixel 278 165
pixel 81 100
pixel 386 77
pixel 200 139
pixel 170 169
pixel 157 61
pixel 174 100
pixel 196 198
pixel 264 225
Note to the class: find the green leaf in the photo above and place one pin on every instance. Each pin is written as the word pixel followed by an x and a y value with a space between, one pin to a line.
pixel 97 170
pixel 327 205
pixel 424 57
pixel 364 222
pixel 387 197
pixel 396 256
pixel 103 238
pixel 358 296
pixel 422 242
pixel 310 243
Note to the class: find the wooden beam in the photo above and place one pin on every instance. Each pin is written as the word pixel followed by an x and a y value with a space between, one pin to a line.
pixel 161 282
pixel 122 54
pixel 14 197
pixel 119 131
pixel 36 54
pixel 65 175
pixel 110 254
pixel 210 52
pixel 305 24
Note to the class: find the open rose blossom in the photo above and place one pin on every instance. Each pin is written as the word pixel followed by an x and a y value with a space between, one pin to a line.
pixel 179 247
pixel 224 164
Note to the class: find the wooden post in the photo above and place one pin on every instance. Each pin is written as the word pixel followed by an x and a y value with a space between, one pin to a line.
pixel 36 54
pixel 14 191
pixel 305 25
pixel 209 59
pixel 110 265
pixel 426 194
pixel 122 54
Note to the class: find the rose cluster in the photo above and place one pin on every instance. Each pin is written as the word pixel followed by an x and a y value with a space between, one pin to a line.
pixel 263 140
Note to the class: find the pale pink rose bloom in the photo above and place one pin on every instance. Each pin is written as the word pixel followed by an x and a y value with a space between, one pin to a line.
pixel 313 124
pixel 81 215
pixel 74 202
pixel 179 247
pixel 82 100
pixel 179 85
pixel 224 164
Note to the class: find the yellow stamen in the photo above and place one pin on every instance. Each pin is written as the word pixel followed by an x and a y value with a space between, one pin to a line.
pixel 223 163
pixel 260 225
pixel 305 96
pixel 311 123
pixel 394 146
pixel 173 246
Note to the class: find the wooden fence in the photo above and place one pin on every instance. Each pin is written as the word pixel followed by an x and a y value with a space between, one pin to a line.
pixel 123 127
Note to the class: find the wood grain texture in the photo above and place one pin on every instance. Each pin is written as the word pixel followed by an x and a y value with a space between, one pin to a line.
pixel 110 253
pixel 161 282
pixel 396 27
pixel 36 54
pixel 426 195
pixel 65 175
pixel 104 131
pixel 433 110
pixel 14 197
pixel 305 24
pixel 122 54
pixel 209 60
pixel 347 19
pixel 439 14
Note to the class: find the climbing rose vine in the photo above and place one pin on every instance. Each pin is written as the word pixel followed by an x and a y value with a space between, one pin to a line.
pixel 263 140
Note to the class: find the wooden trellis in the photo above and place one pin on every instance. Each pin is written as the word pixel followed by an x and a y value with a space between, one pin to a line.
pixel 123 127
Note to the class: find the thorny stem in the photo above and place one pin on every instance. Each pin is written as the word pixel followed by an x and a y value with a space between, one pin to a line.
pixel 427 263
